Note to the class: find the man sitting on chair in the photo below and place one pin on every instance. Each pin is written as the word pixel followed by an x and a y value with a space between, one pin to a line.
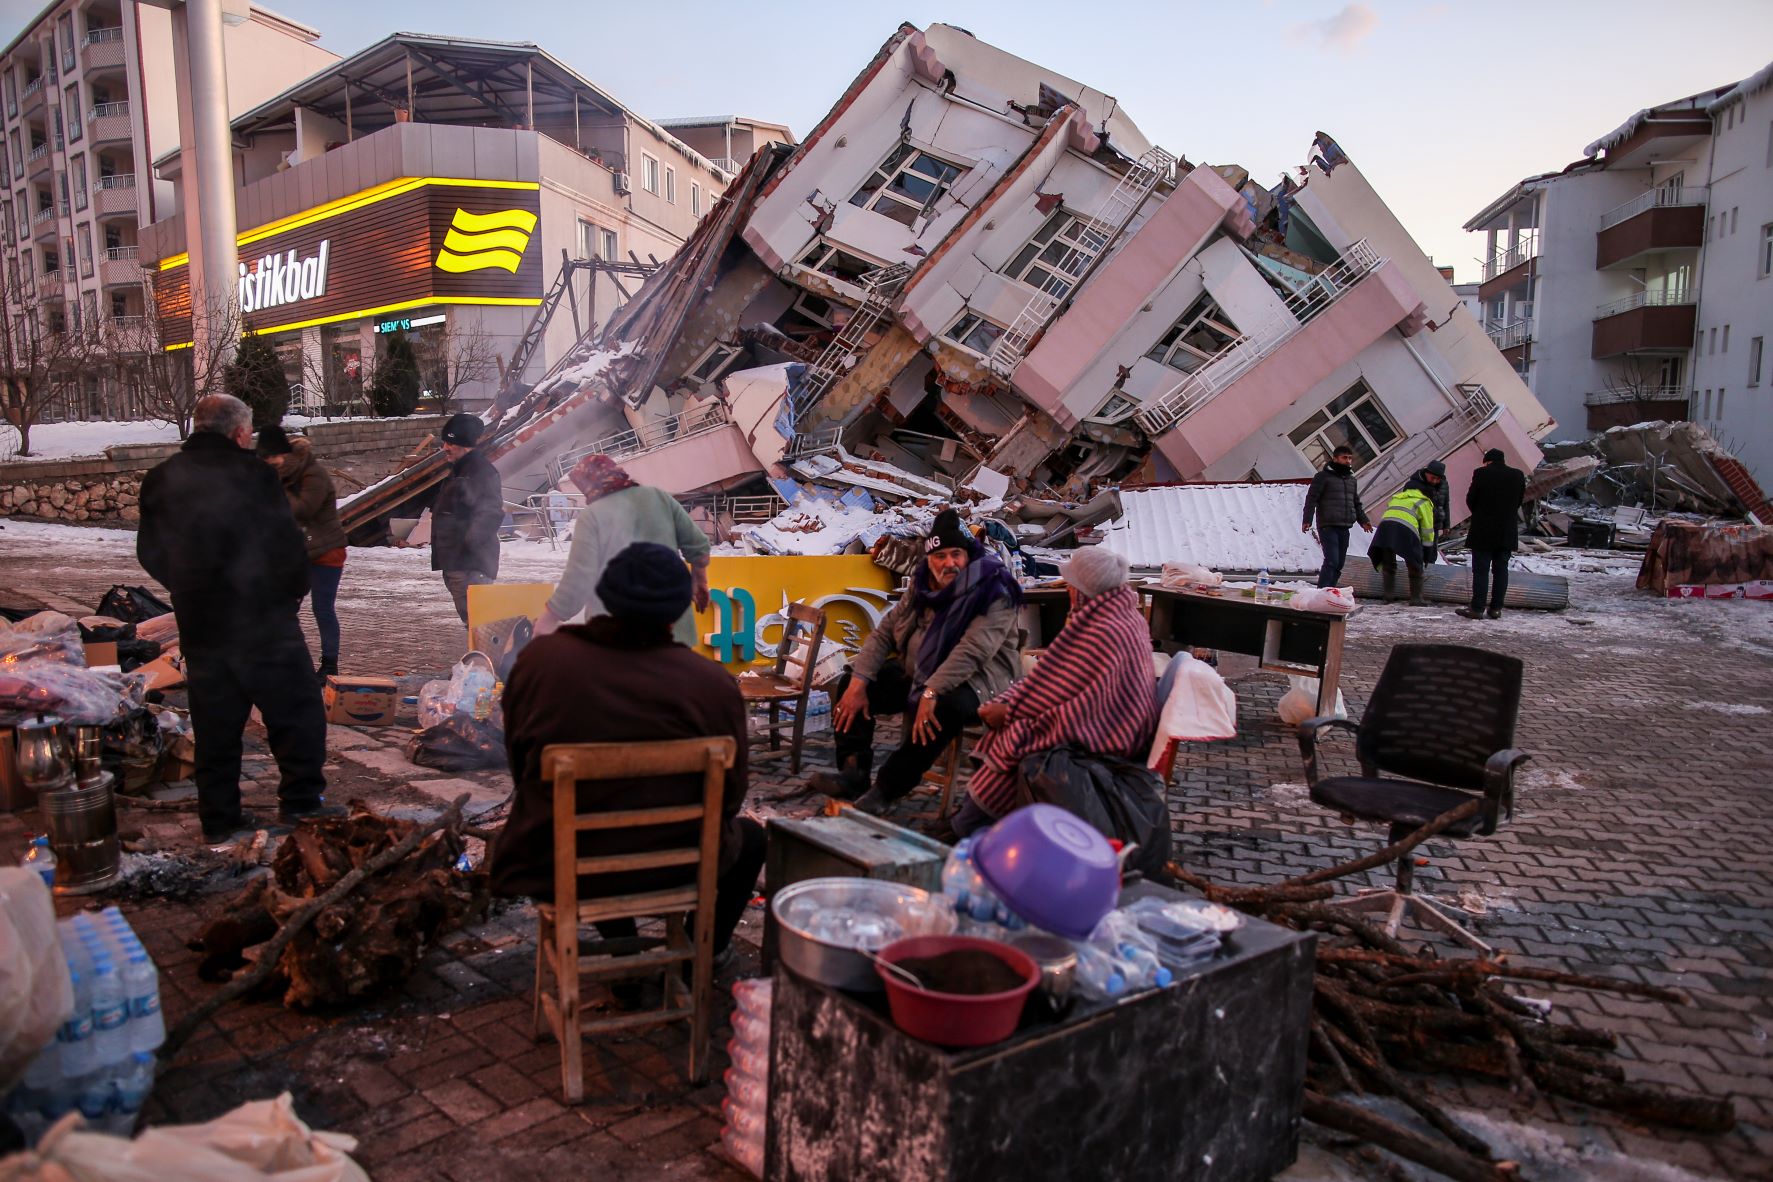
pixel 621 678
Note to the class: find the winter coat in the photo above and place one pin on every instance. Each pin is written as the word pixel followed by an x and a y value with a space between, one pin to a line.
pixel 217 532
pixel 1335 500
pixel 601 683
pixel 987 657
pixel 609 525
pixel 466 516
pixel 1495 502
pixel 312 499
pixel 1407 528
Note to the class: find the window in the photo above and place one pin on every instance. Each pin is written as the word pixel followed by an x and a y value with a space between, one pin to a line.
pixel 1755 346
pixel 1057 254
pixel 1711 344
pixel 649 174
pixel 1726 338
pixel 73 109
pixel 588 239
pixel 1354 419
pixel 974 332
pixel 86 251
pixel 716 361
pixel 827 259
pixel 55 120
pixel 1733 211
pixel 1202 332
pixel 695 200
pixel 1706 412
pixel 1498 311
pixel 119 305
pixel 1766 259
pixel 609 246
pixel 65 28
pixel 1769 122
pixel 12 108
pixel 18 156
pixel 671 185
pixel 89 302
pixel 1720 406
pixel 907 184
pixel 79 182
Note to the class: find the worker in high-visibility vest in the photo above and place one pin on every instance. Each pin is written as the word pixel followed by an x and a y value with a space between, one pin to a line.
pixel 1406 531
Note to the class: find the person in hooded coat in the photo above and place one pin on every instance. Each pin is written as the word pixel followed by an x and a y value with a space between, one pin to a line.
pixel 466 513
pixel 316 507
pixel 1407 532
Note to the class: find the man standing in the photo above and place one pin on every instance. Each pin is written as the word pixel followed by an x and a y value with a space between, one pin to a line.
pixel 947 645
pixel 217 532
pixel 1495 530
pixel 467 513
pixel 1335 500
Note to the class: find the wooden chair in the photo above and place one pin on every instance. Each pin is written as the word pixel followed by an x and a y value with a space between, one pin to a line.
pixel 792 681
pixel 558 924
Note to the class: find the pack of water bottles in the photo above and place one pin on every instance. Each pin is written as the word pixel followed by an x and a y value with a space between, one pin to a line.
pixel 746 1106
pixel 981 912
pixel 101 1061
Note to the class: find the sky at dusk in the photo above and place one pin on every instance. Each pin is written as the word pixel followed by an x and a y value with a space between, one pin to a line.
pixel 1443 105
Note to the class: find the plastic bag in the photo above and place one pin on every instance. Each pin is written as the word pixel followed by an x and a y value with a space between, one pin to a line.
pixel 133 604
pixel 1300 702
pixel 1122 799
pixel 469 691
pixel 78 694
pixel 502 640
pixel 458 744
pixel 35 996
pixel 46 636
pixel 1323 599
pixel 1188 574
pixel 1197 707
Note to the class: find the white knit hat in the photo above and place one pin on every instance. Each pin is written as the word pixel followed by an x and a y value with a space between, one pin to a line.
pixel 1094 570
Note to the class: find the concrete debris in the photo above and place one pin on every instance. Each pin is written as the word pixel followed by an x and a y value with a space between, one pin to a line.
pixel 1661 467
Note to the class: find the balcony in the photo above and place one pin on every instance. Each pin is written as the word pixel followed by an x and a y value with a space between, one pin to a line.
pixel 31 98
pixel 38 162
pixel 1624 406
pixel 43 225
pixel 1512 335
pixel 118 267
pixel 102 48
pixel 108 123
pixel 114 195
pixel 698 449
pixel 1648 322
pixel 1509 267
pixel 49 285
pixel 1659 220
pixel 1472 410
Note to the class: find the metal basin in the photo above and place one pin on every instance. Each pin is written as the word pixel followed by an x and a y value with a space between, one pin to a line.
pixel 814 941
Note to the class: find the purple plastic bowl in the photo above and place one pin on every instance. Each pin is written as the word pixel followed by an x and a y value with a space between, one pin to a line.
pixel 1051 868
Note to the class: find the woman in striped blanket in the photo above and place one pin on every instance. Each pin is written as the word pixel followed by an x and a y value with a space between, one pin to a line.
pixel 1092 688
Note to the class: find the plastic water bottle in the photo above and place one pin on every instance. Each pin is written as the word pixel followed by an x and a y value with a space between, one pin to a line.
pixel 40 858
pixel 1146 971
pixel 92 1096
pixel 1263 585
pixel 110 1013
pixel 79 1053
pixel 131 1093
pixel 141 985
pixel 1099 974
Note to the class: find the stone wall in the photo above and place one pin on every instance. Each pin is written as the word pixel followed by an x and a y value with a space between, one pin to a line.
pixel 357 451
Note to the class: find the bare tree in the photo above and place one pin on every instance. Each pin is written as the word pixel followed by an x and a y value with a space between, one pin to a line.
pixel 1637 383
pixel 170 362
pixel 453 357
pixel 43 356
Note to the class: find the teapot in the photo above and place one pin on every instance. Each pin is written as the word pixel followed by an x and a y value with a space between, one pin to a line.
pixel 40 749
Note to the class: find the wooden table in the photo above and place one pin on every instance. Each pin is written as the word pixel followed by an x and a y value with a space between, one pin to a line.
pixel 1284 639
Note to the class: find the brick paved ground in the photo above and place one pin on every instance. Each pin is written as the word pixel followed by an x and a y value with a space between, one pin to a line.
pixel 1640 849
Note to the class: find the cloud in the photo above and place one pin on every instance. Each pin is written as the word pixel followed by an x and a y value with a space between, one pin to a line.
pixel 1341 32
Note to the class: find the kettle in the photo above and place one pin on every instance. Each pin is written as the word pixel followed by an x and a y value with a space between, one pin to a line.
pixel 40 749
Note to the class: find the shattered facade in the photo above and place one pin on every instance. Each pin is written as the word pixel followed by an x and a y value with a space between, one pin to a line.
pixel 977 272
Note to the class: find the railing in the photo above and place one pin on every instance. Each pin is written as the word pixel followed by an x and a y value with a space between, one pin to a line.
pixel 641 440
pixel 1661 198
pixel 37 153
pixel 43 215
pixel 49 279
pixel 1642 394
pixel 33 87
pixel 120 254
pixel 100 36
pixel 814 443
pixel 1472 409
pixel 106 110
pixel 727 164
pixel 1507 258
pixel 121 180
pixel 553 510
pixel 127 323
pixel 1238 358
pixel 1512 334
pixel 1644 299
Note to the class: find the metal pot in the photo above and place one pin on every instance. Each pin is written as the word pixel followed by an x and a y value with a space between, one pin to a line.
pixel 916 912
pixel 40 750
pixel 1058 965
pixel 82 825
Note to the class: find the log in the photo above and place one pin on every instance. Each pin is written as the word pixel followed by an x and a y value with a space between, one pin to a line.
pixel 1449 973
pixel 1683 1110
pixel 1411 1146
pixel 1394 851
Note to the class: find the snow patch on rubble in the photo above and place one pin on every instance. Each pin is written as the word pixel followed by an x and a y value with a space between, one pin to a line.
pixel 815 526
pixel 1727 707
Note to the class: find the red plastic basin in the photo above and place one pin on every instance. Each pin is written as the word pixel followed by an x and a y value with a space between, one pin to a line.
pixel 956 1019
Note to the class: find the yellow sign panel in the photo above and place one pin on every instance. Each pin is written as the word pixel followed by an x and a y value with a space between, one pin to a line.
pixel 743 623
pixel 477 241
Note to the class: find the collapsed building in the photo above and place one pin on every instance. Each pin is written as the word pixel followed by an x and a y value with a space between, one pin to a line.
pixel 976 279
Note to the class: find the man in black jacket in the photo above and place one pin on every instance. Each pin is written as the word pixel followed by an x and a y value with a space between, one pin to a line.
pixel 1335 500
pixel 467 513
pixel 1494 531
pixel 217 532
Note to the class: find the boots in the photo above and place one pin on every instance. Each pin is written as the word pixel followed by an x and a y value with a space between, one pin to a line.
pixel 1416 599
pixel 1388 583
pixel 849 781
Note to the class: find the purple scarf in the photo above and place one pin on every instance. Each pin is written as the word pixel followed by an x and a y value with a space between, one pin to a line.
pixel 972 593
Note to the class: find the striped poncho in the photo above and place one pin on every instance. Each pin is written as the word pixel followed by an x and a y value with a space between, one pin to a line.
pixel 1093 687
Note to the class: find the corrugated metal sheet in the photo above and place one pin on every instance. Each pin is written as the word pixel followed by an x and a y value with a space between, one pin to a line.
pixel 1228 527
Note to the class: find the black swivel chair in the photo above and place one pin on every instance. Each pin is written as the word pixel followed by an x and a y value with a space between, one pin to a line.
pixel 1442 720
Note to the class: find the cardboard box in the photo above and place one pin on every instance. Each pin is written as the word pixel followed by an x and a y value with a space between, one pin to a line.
pixel 100 653
pixel 355 700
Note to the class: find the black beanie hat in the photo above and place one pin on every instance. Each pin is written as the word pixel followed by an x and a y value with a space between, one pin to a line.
pixel 645 582
pixel 273 442
pixel 463 429
pixel 946 531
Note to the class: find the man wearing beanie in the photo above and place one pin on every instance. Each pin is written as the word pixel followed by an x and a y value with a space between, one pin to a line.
pixel 947 645
pixel 621 678
pixel 466 514
pixel 1494 499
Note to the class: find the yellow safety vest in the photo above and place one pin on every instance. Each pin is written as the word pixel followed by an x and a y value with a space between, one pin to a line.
pixel 1415 510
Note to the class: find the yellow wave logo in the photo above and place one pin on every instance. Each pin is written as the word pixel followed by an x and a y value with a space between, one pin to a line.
pixel 478 241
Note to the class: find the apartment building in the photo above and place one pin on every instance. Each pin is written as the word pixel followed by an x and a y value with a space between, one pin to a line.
pixel 90 99
pixel 728 140
pixel 975 263
pixel 406 196
pixel 1630 285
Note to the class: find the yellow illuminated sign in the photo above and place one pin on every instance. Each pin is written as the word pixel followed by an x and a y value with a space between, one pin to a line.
pixel 477 241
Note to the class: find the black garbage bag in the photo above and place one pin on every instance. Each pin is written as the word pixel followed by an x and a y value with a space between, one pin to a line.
pixel 1122 799
pixel 133 604
pixel 458 744
pixel 132 654
pixel 105 630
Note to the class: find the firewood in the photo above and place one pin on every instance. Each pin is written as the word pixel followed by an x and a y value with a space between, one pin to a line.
pixel 1357 1121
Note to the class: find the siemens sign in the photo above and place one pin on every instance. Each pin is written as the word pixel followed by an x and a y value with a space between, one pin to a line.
pixel 283 279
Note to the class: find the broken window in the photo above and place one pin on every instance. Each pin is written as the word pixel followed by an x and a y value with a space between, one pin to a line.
pixel 1057 254
pixel 1355 420
pixel 827 259
pixel 974 332
pixel 907 184
pixel 1202 332
pixel 716 361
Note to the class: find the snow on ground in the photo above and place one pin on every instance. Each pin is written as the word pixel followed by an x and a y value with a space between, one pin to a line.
pixel 64 441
